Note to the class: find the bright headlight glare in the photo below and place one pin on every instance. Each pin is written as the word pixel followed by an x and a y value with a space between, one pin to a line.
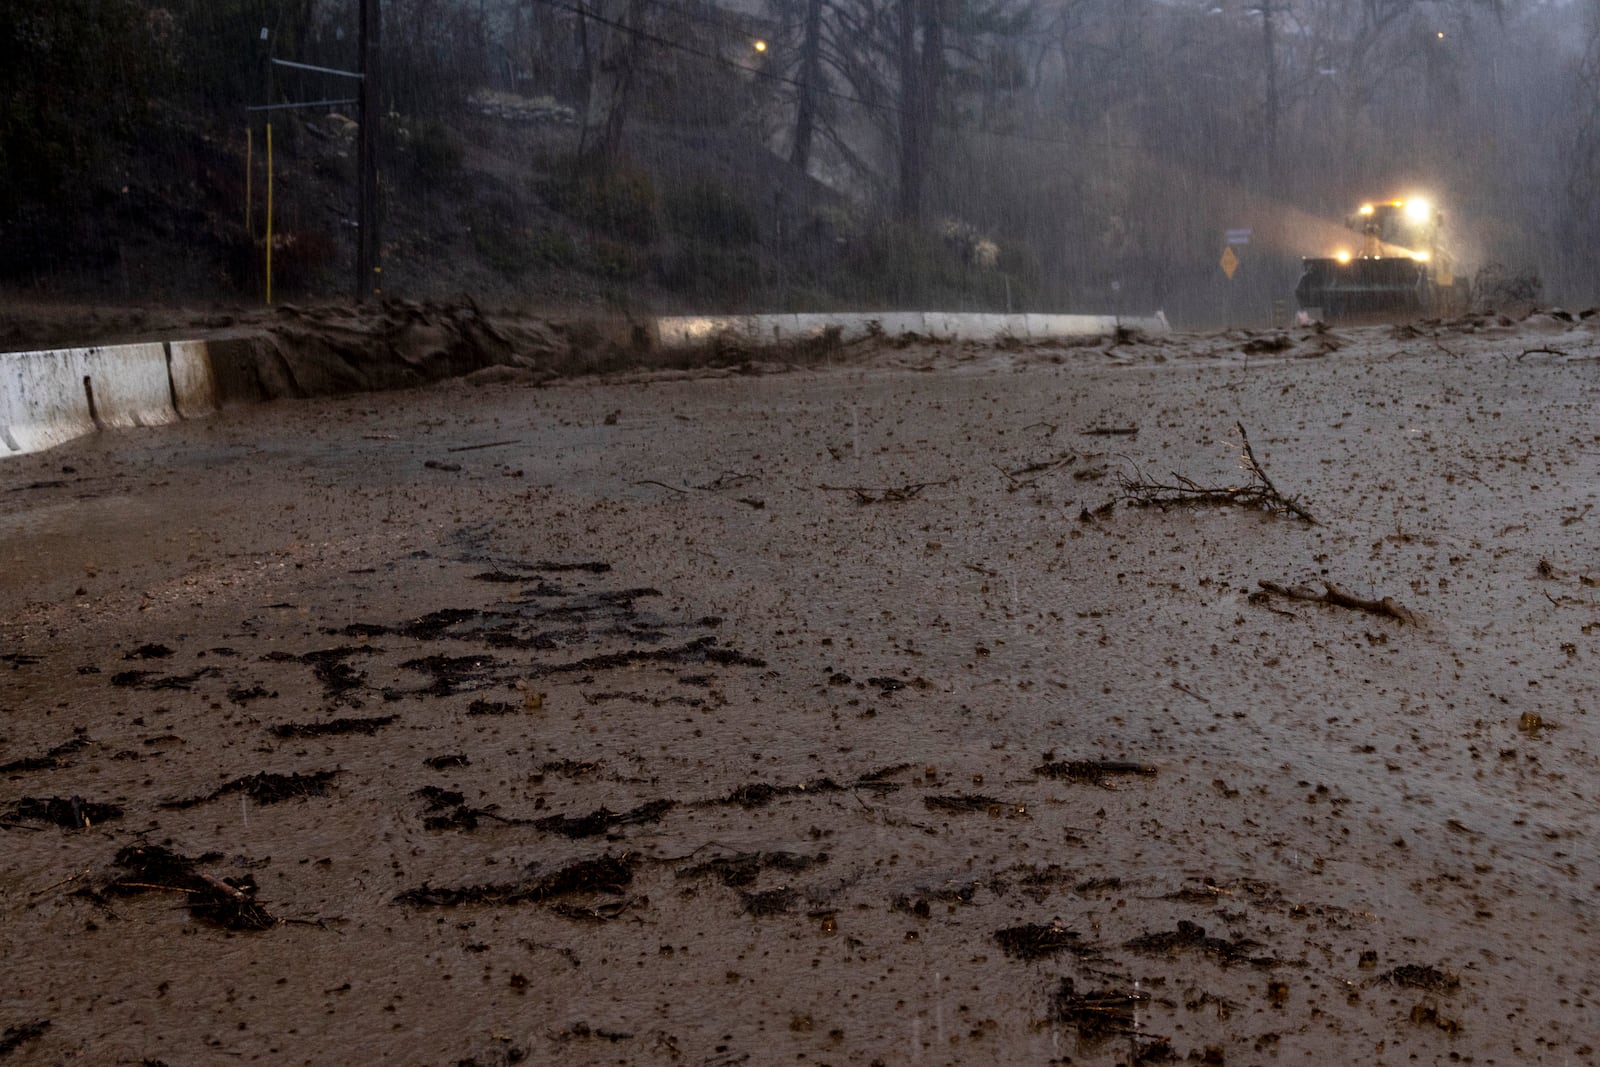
pixel 1418 210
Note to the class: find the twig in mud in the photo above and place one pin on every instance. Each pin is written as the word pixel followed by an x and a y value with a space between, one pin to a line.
pixel 1180 687
pixel 1340 598
pixel 1014 479
pixel 1258 493
pixel 725 480
pixel 1541 351
pixel 1110 431
pixel 487 444
pixel 884 495
pixel 1096 771
pixel 65 881
pixel 1098 1014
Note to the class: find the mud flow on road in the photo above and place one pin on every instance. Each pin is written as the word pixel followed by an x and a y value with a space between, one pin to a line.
pixel 952 706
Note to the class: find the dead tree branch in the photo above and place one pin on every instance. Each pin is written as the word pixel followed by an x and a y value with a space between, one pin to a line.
pixel 1259 492
pixel 1015 480
pixel 1341 598
pixel 866 494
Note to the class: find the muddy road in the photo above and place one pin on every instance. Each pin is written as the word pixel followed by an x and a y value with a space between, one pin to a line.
pixel 822 716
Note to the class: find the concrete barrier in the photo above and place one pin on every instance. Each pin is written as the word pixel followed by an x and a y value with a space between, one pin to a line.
pixel 689 331
pixel 50 397
pixel 47 398
pixel 194 384
pixel 128 386
pixel 42 400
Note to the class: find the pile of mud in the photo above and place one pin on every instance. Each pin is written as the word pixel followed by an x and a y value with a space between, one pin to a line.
pixel 320 350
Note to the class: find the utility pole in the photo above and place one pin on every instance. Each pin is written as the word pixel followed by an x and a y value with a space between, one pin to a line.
pixel 369 266
pixel 1270 60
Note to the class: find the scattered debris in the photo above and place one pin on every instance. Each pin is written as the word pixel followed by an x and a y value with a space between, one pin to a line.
pixel 967 803
pixel 1191 935
pixel 760 794
pixel 486 444
pixel 1428 1015
pixel 367 727
pixel 884 495
pixel 769 902
pixel 1340 598
pixel 608 874
pixel 1096 771
pixel 226 902
pixel 456 814
pixel 1035 942
pixel 1421 976
pixel 338 678
pixel 1015 478
pixel 742 868
pixel 602 821
pixel 15 1037
pixel 52 758
pixel 1258 492
pixel 72 813
pixel 1099 1014
pixel 152 680
pixel 265 788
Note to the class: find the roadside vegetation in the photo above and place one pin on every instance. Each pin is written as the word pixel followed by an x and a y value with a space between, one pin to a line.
pixel 984 155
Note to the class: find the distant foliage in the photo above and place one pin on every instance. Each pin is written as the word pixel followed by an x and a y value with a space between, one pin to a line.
pixel 435 151
pixel 620 203
pixel 708 211
pixel 618 261
pixel 75 77
pixel 903 265
pixel 500 239
pixel 1497 287
pixel 718 276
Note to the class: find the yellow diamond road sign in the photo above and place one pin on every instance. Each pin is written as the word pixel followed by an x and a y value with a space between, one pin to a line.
pixel 1230 262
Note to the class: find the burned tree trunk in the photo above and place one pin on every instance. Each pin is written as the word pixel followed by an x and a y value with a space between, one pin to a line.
pixel 805 119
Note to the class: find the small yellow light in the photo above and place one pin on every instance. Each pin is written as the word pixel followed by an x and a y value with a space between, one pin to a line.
pixel 760 46
pixel 1418 210
pixel 1366 209
pixel 1420 257
pixel 1441 35
pixel 1342 256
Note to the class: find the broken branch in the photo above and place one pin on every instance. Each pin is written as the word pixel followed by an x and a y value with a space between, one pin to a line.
pixel 884 495
pixel 1341 598
pixel 1259 492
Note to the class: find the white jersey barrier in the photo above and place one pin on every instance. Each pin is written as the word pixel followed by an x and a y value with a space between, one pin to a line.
pixel 688 331
pixel 48 398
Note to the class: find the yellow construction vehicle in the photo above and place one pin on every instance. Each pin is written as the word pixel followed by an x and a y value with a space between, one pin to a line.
pixel 1396 266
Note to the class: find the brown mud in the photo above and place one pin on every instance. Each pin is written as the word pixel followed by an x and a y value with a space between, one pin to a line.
pixel 568 754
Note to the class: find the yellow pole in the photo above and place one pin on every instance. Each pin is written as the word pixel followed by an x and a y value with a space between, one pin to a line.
pixel 249 175
pixel 269 213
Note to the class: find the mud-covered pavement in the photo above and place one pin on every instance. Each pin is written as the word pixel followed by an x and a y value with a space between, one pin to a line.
pixel 820 717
